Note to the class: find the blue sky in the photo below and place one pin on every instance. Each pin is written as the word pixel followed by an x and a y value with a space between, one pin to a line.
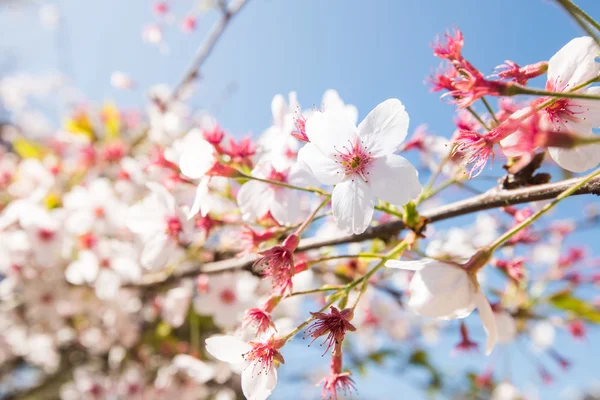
pixel 367 50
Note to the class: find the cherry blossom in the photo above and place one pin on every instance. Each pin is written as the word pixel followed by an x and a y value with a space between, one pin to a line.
pixel 175 304
pixel 160 225
pixel 226 297
pixel 94 208
pixel 572 66
pixel 259 361
pixel 360 162
pixel 257 199
pixel 447 291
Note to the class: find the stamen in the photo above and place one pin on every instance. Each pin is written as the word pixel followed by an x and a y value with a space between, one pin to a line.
pixel 354 158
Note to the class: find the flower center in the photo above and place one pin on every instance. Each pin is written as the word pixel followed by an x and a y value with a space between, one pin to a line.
pixel 279 176
pixel 262 356
pixel 228 296
pixel 354 158
pixel 562 111
pixel 87 241
pixel 45 235
pixel 99 212
pixel 173 226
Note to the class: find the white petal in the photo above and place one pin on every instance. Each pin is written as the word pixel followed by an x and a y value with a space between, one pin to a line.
pixel 585 112
pixel 543 335
pixel 330 131
pixel 393 179
pixel 293 105
pixel 285 207
pixel 198 370
pixel 352 113
pixel 322 167
pixel 196 159
pixel 441 290
pixel 278 109
pixel 127 268
pixel 577 159
pixel 488 319
pixel 254 198
pixel 413 265
pixel 258 385
pixel 156 252
pixel 80 222
pixel 140 219
pixel 74 274
pixel 84 269
pixel 107 284
pixel 229 349
pixel 385 128
pixel 574 64
pixel 301 176
pixel 201 204
pixel 163 198
pixel 352 205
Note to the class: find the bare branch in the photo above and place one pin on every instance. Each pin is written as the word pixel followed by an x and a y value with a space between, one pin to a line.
pixel 491 199
pixel 204 51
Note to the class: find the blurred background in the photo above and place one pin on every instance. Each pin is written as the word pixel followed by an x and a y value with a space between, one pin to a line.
pixel 55 55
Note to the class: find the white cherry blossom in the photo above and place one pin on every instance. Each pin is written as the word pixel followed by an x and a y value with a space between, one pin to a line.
pixel 256 198
pixel 33 180
pixel 572 66
pixel 107 266
pixel 446 291
pixel 225 297
pixel 361 162
pixel 94 207
pixel 160 223
pixel 276 143
pixel 175 305
pixel 195 157
pixel 259 374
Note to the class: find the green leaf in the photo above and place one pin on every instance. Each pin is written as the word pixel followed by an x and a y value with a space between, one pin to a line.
pixel 565 301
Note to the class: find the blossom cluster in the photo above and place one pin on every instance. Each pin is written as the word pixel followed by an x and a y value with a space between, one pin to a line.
pixel 154 254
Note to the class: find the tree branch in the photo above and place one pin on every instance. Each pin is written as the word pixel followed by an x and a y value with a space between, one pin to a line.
pixel 493 198
pixel 204 51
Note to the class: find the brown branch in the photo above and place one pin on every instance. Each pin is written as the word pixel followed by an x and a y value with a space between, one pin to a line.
pixel 491 199
pixel 204 51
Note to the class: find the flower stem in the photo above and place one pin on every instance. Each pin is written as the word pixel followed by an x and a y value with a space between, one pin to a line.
pixel 506 236
pixel 336 257
pixel 388 210
pixel 399 248
pixel 293 333
pixel 313 291
pixel 194 332
pixel 318 191
pixel 490 110
pixel 311 217
pixel 582 18
pixel 425 193
pixel 517 89
pixel 478 118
